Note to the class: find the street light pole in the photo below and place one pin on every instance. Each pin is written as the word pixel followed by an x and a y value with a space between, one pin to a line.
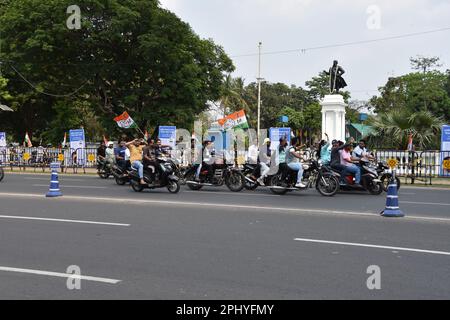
pixel 259 90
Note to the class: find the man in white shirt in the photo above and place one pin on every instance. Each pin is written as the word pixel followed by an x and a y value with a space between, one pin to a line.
pixel 361 152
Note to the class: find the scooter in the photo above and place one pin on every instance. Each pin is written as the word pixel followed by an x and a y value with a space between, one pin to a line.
pixel 122 176
pixel 154 179
pixel 370 180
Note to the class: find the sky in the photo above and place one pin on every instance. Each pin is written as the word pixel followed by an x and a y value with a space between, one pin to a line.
pixel 283 25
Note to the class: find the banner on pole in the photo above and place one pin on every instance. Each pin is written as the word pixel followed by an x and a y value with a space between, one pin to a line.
pixel 2 139
pixel 78 145
pixel 275 134
pixel 168 135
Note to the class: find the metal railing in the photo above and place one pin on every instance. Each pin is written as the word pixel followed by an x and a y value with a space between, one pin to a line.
pixel 413 165
pixel 418 165
pixel 39 158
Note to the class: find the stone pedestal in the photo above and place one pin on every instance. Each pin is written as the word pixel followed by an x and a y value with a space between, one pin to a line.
pixel 333 117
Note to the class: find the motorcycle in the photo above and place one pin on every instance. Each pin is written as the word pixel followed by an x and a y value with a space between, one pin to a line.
pixel 122 176
pixel 386 176
pixel 250 183
pixel 154 179
pixel 314 175
pixel 229 175
pixel 104 169
pixel 370 180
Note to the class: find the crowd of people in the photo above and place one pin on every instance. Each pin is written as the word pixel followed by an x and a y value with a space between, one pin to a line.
pixel 133 154
pixel 342 157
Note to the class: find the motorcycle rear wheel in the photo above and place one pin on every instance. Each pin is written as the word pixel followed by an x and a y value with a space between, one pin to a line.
pixel 276 182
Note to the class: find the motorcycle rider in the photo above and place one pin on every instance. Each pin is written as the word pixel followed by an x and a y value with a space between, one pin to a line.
pixel 293 157
pixel 136 150
pixel 121 155
pixel 207 160
pixel 335 163
pixel 264 161
pixel 109 152
pixel 325 151
pixel 350 164
pixel 101 153
pixel 361 151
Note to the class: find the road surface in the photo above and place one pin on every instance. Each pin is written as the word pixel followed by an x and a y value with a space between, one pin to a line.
pixel 215 244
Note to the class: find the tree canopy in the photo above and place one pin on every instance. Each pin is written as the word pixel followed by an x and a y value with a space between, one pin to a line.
pixel 131 55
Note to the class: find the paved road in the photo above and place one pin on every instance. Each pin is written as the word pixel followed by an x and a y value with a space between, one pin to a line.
pixel 215 244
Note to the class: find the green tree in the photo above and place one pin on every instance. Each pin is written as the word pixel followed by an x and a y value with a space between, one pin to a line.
pixel 415 92
pixel 392 129
pixel 296 119
pixel 424 64
pixel 131 55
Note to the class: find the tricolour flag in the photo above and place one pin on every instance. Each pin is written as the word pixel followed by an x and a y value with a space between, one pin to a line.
pixel 237 120
pixel 27 141
pixel 146 135
pixel 125 121
pixel 65 140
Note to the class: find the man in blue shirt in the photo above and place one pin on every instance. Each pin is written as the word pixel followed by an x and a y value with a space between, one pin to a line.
pixel 121 156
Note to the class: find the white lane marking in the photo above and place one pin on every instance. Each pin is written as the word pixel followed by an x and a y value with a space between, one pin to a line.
pixel 373 246
pixel 242 194
pixel 426 203
pixel 65 220
pixel 66 186
pixel 61 177
pixel 60 275
pixel 219 205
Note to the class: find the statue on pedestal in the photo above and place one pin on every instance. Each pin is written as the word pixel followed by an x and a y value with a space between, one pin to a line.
pixel 336 80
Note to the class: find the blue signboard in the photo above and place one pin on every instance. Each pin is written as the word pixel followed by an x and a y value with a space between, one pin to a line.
pixel 2 139
pixel 445 145
pixel 78 145
pixel 284 119
pixel 276 133
pixel 445 150
pixel 168 135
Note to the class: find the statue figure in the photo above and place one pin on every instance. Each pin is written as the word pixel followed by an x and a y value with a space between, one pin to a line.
pixel 336 80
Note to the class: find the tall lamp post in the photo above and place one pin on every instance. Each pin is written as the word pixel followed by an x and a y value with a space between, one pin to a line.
pixel 259 90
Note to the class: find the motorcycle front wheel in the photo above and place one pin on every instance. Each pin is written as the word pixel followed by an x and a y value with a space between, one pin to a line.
pixel 136 186
pixel 173 187
pixel 235 182
pixel 375 188
pixel 327 185
pixel 386 180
